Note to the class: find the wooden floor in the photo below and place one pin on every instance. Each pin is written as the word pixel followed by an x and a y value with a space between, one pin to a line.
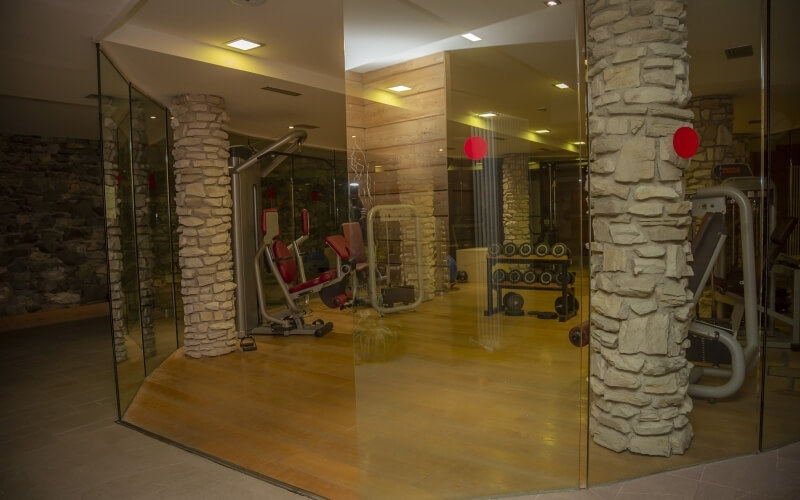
pixel 442 402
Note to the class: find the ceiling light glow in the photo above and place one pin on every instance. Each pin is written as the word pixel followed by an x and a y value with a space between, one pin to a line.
pixel 471 37
pixel 561 85
pixel 543 131
pixel 552 3
pixel 399 88
pixel 243 44
pixel 487 115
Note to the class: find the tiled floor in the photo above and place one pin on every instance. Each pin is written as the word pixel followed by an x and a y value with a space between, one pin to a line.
pixel 59 439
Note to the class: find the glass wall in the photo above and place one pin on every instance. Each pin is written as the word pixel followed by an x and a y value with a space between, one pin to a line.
pixel 782 288
pixel 477 391
pixel 454 370
pixel 141 240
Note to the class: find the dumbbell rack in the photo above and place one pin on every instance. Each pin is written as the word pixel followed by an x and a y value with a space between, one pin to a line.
pixel 497 288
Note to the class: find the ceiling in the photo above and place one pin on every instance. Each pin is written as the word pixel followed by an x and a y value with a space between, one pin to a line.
pixel 170 47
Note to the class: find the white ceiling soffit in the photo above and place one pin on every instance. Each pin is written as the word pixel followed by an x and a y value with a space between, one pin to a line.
pixel 382 33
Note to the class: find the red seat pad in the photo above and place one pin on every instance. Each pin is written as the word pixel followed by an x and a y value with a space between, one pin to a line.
pixel 322 278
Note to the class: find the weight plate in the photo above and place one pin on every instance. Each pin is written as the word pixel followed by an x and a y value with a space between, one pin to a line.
pixel 546 278
pixel 525 249
pixel 509 249
pixel 542 249
pixel 515 276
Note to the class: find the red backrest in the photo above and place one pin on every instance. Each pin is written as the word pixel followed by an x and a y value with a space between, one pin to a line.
pixel 339 245
pixel 304 215
pixel 284 261
pixel 355 240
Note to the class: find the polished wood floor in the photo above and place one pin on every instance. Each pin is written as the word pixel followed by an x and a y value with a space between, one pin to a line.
pixel 442 402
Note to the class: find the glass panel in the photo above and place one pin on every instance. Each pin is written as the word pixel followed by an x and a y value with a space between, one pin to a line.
pixel 476 391
pixel 781 386
pixel 120 230
pixel 725 100
pixel 154 236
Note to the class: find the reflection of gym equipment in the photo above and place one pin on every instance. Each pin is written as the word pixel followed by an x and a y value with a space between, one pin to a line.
pixel 727 282
pixel 330 285
pixel 246 174
pixel 512 303
pixel 393 297
pixel 565 304
pixel 706 248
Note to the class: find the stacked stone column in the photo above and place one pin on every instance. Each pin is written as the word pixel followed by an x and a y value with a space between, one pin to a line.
pixel 638 81
pixel 416 188
pixel 203 204
pixel 111 173
pixel 516 199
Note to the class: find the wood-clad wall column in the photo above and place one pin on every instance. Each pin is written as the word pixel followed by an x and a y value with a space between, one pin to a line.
pixel 639 89
pixel 400 141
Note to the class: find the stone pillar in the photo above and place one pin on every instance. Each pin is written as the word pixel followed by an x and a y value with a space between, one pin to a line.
pixel 416 188
pixel 713 122
pixel 145 257
pixel 203 204
pixel 637 69
pixel 111 183
pixel 516 199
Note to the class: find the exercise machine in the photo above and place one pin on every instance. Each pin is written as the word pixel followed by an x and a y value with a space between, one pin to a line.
pixel 330 285
pixel 392 297
pixel 256 232
pixel 711 204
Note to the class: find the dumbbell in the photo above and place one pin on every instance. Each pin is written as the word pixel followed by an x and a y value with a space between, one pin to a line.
pixel 542 249
pixel 529 277
pixel 498 276
pixel 514 276
pixel 559 250
pixel 525 250
pixel 509 249
pixel 546 278
pixel 494 249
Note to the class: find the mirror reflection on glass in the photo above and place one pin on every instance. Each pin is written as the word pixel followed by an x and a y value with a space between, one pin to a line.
pixel 477 390
pixel 780 424
pixel 123 279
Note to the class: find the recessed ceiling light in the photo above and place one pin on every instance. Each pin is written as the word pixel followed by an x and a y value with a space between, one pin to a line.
pixel 552 3
pixel 153 117
pixel 291 127
pixel 543 131
pixel 247 3
pixel 487 115
pixel 579 143
pixel 243 44
pixel 399 88
pixel 471 37
pixel 561 85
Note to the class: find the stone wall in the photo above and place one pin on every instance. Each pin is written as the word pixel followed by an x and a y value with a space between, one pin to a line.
pixel 638 82
pixel 713 122
pixel 52 251
pixel 203 204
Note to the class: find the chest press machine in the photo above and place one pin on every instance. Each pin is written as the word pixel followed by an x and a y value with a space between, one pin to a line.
pixel 707 246
pixel 251 247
